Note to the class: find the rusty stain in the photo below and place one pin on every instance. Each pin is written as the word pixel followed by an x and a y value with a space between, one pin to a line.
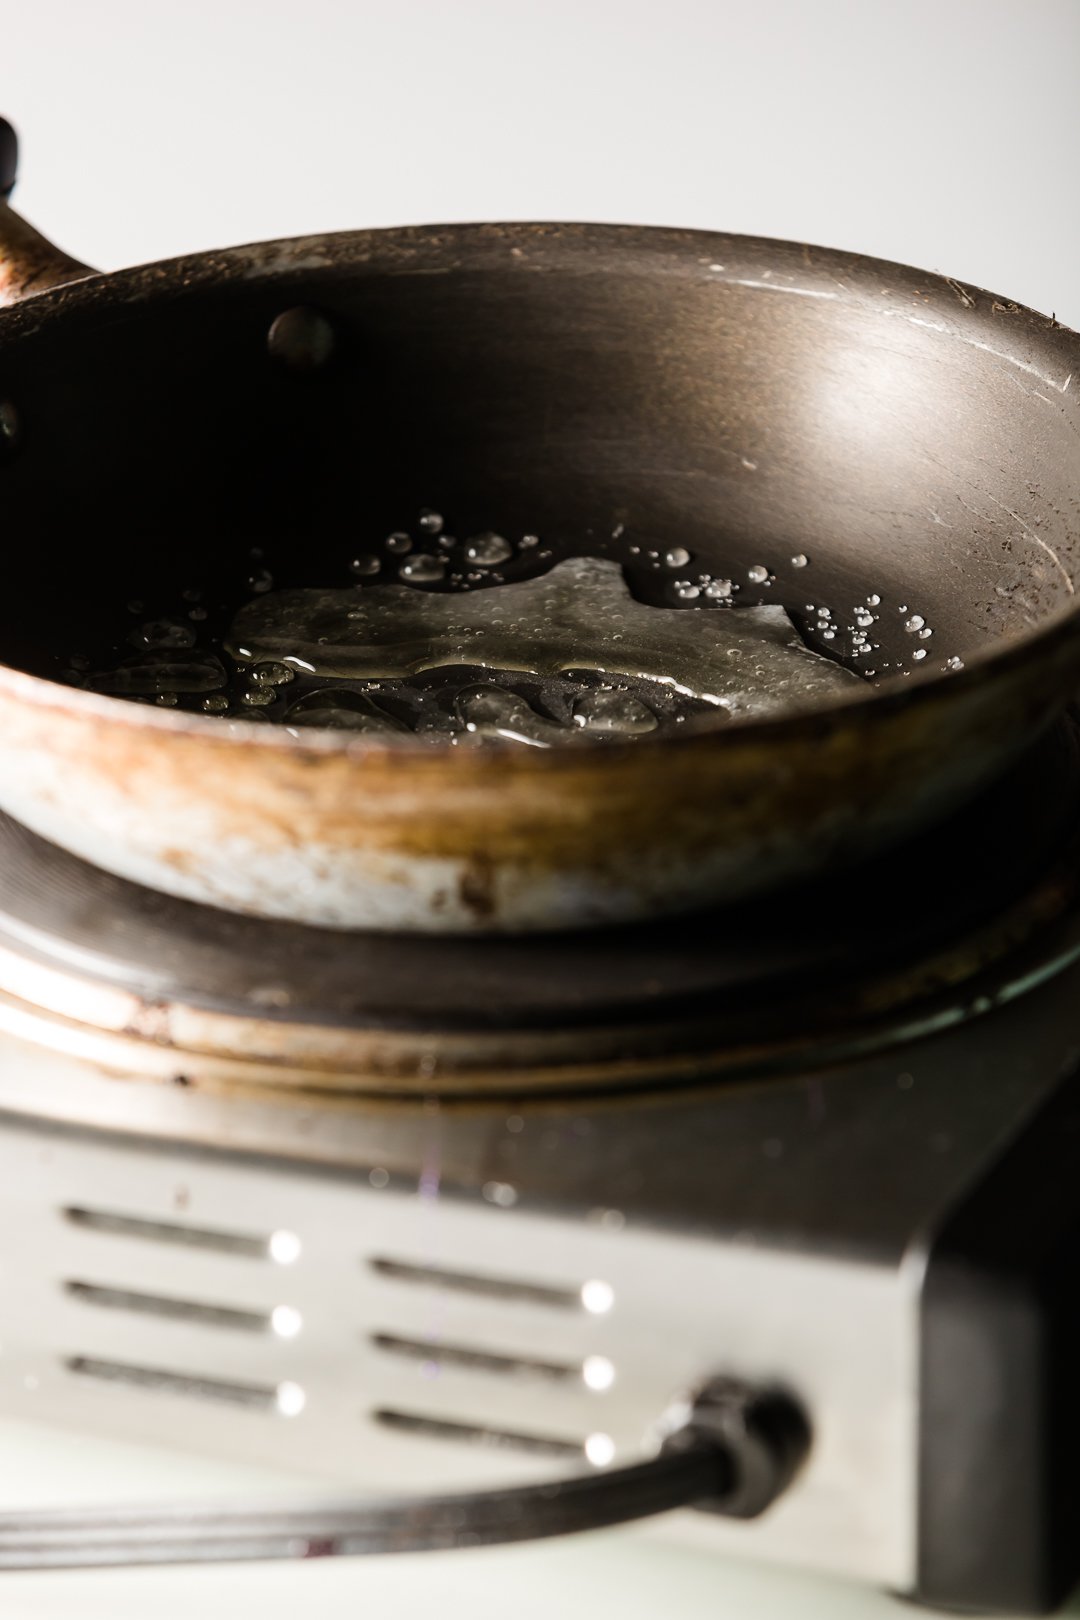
pixel 476 887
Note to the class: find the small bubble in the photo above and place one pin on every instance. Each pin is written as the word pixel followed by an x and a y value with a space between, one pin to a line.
pixel 528 541
pixel 162 634
pixel 379 1177
pixel 758 574
pixel 167 700
pixel 916 622
pixel 874 599
pixel 258 697
pixel 272 674
pixel 487 550
pixel 216 703
pixel 827 635
pixel 198 614
pixel 365 565
pixel 925 633
pixel 864 619
pixel 920 652
pixel 687 592
pixel 423 569
pixel 398 543
pixel 677 557
pixel 719 590
pixel 799 560
pixel 430 522
pixel 260 580
pixel 954 663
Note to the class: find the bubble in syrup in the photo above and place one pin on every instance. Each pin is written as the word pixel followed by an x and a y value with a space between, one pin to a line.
pixel 686 592
pixel 677 557
pixel 920 652
pixel 260 580
pixel 874 599
pixel 272 674
pixel 864 619
pixel 758 574
pixel 954 663
pixel 365 565
pixel 430 522
pixel 487 550
pixel 611 711
pixel 258 696
pixel 799 560
pixel 423 569
pixel 719 590
pixel 399 543
pixel 528 541
pixel 925 632
pixel 167 700
pixel 216 703
pixel 916 622
pixel 161 634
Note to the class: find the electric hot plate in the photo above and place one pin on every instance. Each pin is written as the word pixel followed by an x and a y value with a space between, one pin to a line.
pixel 413 1212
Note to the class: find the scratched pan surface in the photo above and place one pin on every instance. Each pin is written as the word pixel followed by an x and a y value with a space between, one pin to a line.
pixel 750 400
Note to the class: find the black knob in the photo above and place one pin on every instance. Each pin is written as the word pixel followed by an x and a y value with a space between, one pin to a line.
pixel 9 157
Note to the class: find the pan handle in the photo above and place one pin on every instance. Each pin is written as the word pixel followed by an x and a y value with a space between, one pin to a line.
pixel 29 263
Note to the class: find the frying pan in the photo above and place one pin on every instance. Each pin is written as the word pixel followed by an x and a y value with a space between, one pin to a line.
pixel 918 440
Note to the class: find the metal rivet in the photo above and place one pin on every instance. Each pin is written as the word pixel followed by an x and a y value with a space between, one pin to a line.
pixel 301 338
pixel 10 427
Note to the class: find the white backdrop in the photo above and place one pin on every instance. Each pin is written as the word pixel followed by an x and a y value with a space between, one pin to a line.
pixel 945 133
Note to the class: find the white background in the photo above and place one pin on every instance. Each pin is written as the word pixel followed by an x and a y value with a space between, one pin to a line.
pixel 945 133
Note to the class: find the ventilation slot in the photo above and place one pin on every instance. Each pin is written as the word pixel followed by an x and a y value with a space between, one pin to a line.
pixel 432 1428
pixel 156 1380
pixel 482 1361
pixel 191 1237
pixel 465 1282
pixel 174 1310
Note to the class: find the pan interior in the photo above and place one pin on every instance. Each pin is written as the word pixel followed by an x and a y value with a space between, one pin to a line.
pixel 856 431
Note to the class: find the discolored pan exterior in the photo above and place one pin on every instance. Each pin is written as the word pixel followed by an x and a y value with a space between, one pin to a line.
pixel 913 437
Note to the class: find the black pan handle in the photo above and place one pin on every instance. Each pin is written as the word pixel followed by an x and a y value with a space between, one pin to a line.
pixel 29 263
